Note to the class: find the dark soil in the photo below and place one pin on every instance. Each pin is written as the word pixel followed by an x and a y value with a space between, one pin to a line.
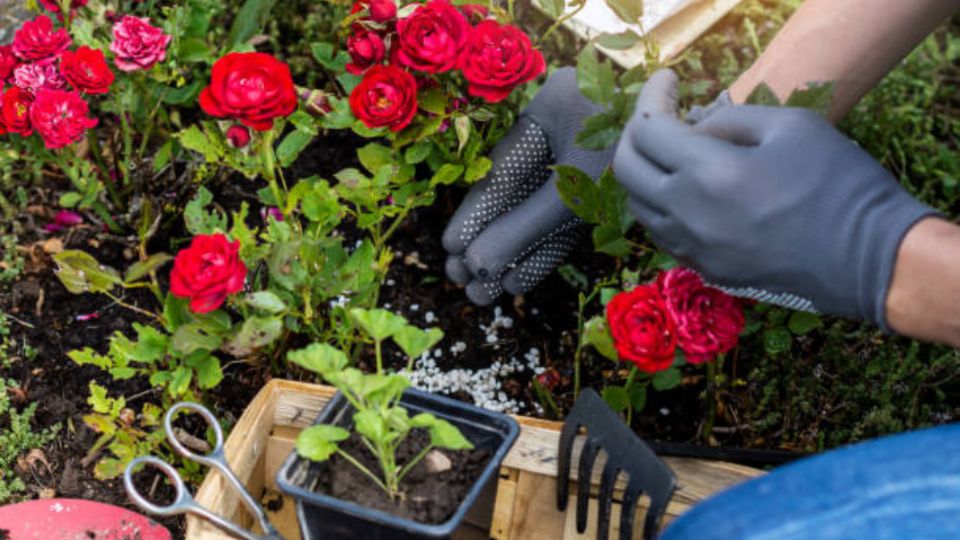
pixel 427 498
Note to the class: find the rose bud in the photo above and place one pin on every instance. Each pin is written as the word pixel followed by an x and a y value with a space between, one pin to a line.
pixel 238 136
pixel 382 10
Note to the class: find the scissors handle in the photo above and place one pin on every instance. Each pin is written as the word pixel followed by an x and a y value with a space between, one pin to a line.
pixel 183 502
pixel 216 459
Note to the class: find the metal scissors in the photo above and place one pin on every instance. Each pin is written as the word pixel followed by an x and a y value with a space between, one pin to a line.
pixel 184 502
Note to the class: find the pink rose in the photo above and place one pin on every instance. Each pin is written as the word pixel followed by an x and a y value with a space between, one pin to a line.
pixel 34 77
pixel 708 320
pixel 37 41
pixel 137 44
pixel 60 117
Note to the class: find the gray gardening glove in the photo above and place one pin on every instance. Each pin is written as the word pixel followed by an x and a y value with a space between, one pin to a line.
pixel 512 229
pixel 771 203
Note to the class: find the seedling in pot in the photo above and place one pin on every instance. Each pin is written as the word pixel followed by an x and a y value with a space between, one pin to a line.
pixel 378 418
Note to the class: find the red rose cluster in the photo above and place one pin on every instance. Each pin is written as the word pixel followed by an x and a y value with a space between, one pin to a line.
pixel 47 79
pixel 437 37
pixel 207 272
pixel 649 322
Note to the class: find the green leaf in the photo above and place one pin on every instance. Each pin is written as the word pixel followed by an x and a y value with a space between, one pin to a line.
pixel 209 372
pixel 180 382
pixel 318 443
pixel 443 434
pixel 379 324
pixel 579 192
pixel 198 220
pixel 667 379
pixel 433 101
pixel 383 389
pixel 194 139
pixel 596 79
pixel 332 61
pixel 610 240
pixel 662 260
pixel 140 269
pixel 321 358
pixel 418 152
pixel 763 95
pixel 638 396
pixel 447 174
pixel 292 146
pixel 371 425
pixel 463 127
pixel 616 397
pixel 816 96
pixel 619 42
pixel 151 344
pixel 249 20
pixel 553 8
pixel 192 337
pixel 184 94
pixel 88 356
pixel 802 322
pixel 414 341
pixel 423 420
pixel 266 301
pixel 599 131
pixel 256 333
pixel 373 156
pixel 477 169
pixel 629 11
pixel 81 273
pixel 597 334
pixel 70 199
pixel 777 341
pixel 193 49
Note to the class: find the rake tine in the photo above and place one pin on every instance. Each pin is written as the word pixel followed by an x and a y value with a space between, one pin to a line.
pixel 651 523
pixel 567 436
pixel 607 482
pixel 587 458
pixel 628 512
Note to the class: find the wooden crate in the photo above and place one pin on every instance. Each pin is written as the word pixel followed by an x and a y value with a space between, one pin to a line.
pixel 525 508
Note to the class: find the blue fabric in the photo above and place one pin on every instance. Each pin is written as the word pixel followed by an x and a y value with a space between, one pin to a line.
pixel 903 487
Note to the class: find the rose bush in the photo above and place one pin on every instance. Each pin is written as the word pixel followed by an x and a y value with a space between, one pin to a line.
pixel 253 88
pixel 208 272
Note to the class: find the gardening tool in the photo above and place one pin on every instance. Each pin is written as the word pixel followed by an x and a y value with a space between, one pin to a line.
pixel 184 502
pixel 626 452
pixel 69 519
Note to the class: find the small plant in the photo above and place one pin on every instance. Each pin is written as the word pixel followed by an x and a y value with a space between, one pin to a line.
pixel 17 437
pixel 379 419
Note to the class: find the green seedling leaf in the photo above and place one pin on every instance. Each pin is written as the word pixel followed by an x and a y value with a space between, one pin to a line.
pixel 256 333
pixel 423 420
pixel 81 273
pixel 379 324
pixel 597 334
pixel 443 434
pixel 371 425
pixel 266 301
pixel 318 443
pixel 414 341
pixel 667 379
pixel 616 397
pixel 140 269
pixel 382 389
pixel 321 358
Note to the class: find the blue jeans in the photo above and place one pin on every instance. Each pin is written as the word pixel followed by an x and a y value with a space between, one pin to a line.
pixel 903 487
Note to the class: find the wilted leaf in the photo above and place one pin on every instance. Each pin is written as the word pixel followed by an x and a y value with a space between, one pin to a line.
pixel 80 273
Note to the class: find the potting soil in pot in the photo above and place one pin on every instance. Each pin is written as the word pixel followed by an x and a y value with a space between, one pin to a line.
pixel 428 497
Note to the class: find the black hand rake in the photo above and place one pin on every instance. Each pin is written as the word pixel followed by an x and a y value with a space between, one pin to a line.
pixel 626 452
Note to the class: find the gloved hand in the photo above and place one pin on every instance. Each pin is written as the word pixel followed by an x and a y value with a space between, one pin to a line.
pixel 770 203
pixel 512 229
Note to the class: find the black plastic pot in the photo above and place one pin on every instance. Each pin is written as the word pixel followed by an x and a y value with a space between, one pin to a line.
pixel 323 517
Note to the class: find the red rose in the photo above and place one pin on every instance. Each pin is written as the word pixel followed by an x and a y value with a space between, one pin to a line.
pixel 382 10
pixel 386 97
pixel 253 88
pixel 36 41
pixel 137 44
pixel 54 5
pixel 708 320
pixel 87 70
pixel 366 48
pixel 15 111
pixel 60 117
pixel 238 136
pixel 432 37
pixel 207 272
pixel 642 329
pixel 8 62
pixel 497 59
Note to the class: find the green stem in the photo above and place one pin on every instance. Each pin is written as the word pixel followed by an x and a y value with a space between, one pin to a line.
pixel 97 152
pixel 560 21
pixel 363 469
pixel 413 462
pixel 132 307
pixel 379 357
pixel 630 378
pixel 711 397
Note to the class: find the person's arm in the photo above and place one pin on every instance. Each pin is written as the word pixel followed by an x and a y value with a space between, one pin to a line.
pixel 851 42
pixel 924 297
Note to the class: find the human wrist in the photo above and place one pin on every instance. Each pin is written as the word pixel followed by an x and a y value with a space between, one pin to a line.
pixel 924 296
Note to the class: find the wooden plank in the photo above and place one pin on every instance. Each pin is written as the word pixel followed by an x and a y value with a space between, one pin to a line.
pixel 535 514
pixel 506 502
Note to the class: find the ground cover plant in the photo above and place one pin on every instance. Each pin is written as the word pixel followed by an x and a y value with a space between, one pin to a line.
pixel 173 236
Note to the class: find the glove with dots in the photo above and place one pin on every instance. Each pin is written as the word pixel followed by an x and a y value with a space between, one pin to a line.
pixel 512 229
